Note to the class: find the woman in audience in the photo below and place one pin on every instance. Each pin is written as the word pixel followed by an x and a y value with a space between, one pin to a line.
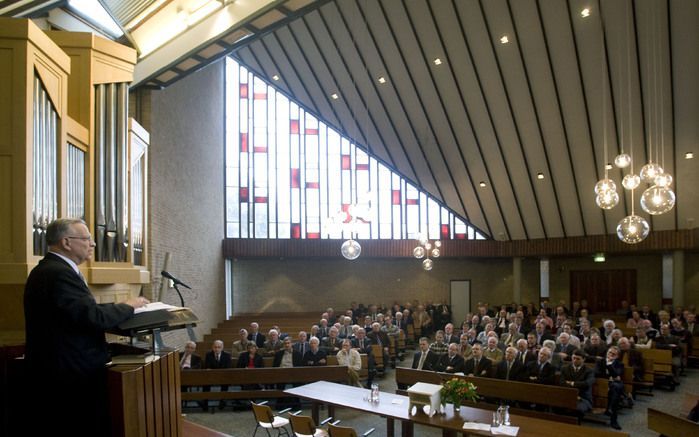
pixel 350 357
pixel 634 320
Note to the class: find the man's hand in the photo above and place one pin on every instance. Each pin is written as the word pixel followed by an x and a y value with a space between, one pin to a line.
pixel 137 302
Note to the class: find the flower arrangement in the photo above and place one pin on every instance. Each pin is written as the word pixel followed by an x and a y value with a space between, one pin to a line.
pixel 458 391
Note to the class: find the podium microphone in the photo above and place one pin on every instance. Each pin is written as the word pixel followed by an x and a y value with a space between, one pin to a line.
pixel 174 279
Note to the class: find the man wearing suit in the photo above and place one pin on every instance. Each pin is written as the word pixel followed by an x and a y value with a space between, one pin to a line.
pixel 332 343
pixel 425 359
pixel 241 345
pixel 315 355
pixel 564 349
pixel 612 369
pixel 524 355
pixel 449 336
pixel 578 376
pixel 255 335
pixel 217 358
pixel 301 346
pixel 510 369
pixel 363 346
pixel 541 371
pixel 541 334
pixel 478 365
pixel 189 359
pixel 66 351
pixel 381 338
pixel 452 361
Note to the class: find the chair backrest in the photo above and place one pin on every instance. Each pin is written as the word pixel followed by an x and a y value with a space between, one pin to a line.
pixel 302 425
pixel 341 431
pixel 263 413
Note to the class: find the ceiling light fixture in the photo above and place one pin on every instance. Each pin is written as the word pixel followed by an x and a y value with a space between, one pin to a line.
pixel 539 175
pixel 275 77
pixel 481 184
pixel 585 13
pixel 689 155
pixel 334 96
pixel 425 249
pixel 382 79
pixel 437 61
pixel 504 39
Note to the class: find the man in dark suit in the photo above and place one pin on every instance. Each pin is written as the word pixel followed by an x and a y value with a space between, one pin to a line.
pixel 542 334
pixel 449 335
pixel 302 344
pixel 363 345
pixel 478 365
pixel 66 351
pixel 612 369
pixel 542 371
pixel 580 377
pixel 452 361
pixel 189 359
pixel 564 348
pixel 425 356
pixel 256 336
pixel 315 356
pixel 217 358
pixel 510 369
pixel 524 355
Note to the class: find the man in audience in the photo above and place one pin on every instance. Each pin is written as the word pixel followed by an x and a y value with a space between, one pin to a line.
pixel 630 356
pixel 613 370
pixel 668 341
pixel 449 336
pixel 255 335
pixel 425 359
pixel 363 346
pixel 692 326
pixel 478 365
pixel 301 344
pixel 511 337
pixel 273 344
pixel 315 356
pixel 451 362
pixel 346 328
pixel 380 338
pixel 323 329
pixel 541 371
pixel 597 349
pixel 240 345
pixel 524 355
pixel 217 358
pixel 493 352
pixel 332 343
pixel 541 333
pixel 564 349
pixel 287 356
pixel 532 344
pixel 400 324
pixel 189 359
pixel 510 369
pixel 544 318
pixel 555 359
pixel 439 347
pixel 350 358
pixel 465 347
pixel 580 377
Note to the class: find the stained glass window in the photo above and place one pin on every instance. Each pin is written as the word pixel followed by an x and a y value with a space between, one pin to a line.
pixel 289 175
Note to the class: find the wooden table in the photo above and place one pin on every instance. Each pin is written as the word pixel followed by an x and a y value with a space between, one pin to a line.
pixel 395 407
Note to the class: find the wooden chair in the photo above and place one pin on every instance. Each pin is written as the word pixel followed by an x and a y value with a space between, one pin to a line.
pixel 303 426
pixel 377 352
pixel 267 420
pixel 345 431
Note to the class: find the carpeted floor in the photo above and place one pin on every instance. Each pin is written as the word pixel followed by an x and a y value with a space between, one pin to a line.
pixel 633 421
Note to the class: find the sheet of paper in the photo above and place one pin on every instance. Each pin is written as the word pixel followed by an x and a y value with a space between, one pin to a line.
pixel 154 306
pixel 505 430
pixel 397 401
pixel 477 426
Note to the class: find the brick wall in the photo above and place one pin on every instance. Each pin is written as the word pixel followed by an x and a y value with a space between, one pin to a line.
pixel 186 193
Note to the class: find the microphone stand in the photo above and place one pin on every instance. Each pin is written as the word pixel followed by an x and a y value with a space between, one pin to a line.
pixel 174 285
pixel 190 328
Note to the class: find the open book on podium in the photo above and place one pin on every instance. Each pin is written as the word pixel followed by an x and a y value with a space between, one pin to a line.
pixel 156 316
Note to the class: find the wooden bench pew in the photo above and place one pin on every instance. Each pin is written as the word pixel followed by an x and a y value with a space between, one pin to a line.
pixel 546 395
pixel 250 377
pixel 332 361
pixel 671 425
pixel 662 363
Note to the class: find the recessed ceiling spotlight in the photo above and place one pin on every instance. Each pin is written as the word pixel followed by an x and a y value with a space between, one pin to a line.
pixel 481 184
pixel 437 61
pixel 689 155
pixel 608 166
pixel 382 79
pixel 334 96
pixel 539 175
pixel 585 13
pixel 504 39
pixel 275 77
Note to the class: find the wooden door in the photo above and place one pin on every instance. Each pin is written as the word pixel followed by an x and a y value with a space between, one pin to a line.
pixel 603 289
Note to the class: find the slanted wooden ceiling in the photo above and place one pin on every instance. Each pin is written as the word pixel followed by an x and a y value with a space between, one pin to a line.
pixel 561 98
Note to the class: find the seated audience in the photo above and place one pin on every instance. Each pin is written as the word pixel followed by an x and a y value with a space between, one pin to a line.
pixel 273 343
pixel 465 347
pixel 449 335
pixel 189 359
pixel 564 349
pixel 255 335
pixel 451 362
pixel 250 358
pixel 597 349
pixel 541 371
pixel 524 355
pixel 509 368
pixel 425 359
pixel 439 347
pixel 217 358
pixel 493 352
pixel 613 370
pixel 478 365
pixel 634 320
pixel 301 344
pixel 241 345
pixel 332 343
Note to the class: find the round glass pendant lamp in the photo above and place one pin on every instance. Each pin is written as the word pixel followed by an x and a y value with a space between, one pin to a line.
pixel 419 252
pixel 351 249
pixel 427 264
pixel 663 180
pixel 657 200
pixel 631 181
pixel 622 160
pixel 605 184
pixel 607 199
pixel 632 229
pixel 650 171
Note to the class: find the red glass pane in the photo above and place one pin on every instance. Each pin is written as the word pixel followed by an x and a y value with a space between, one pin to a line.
pixel 310 131
pixel 295 178
pixel 260 199
pixel 294 126
pixel 362 167
pixel 260 149
pixel 459 236
pixel 346 162
pixel 244 194
pixel 312 185
pixel 445 232
pixel 243 91
pixel 395 197
pixel 295 230
pixel 313 235
pixel 243 142
pixel 412 201
pixel 260 96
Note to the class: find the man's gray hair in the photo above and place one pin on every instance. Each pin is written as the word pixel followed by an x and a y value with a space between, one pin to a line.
pixel 58 229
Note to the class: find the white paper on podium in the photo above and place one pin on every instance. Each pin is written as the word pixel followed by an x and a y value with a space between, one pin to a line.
pixel 155 306
pixel 477 426
pixel 505 430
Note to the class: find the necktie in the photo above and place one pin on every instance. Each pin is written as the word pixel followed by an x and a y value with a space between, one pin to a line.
pixel 82 277
pixel 422 360
pixel 524 357
pixel 361 344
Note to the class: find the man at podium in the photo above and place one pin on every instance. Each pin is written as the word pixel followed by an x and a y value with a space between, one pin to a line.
pixel 66 351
